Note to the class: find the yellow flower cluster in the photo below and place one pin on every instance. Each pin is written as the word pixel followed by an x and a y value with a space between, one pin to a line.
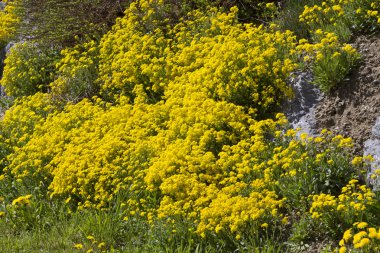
pixel 329 59
pixel 327 43
pixel 317 13
pixel 232 213
pixel 348 206
pixel 133 53
pixel 353 13
pixel 22 200
pixel 91 245
pixel 360 238
pixel 212 53
pixel 8 21
pixel 182 137
pixel 19 121
pixel 28 69
pixel 198 158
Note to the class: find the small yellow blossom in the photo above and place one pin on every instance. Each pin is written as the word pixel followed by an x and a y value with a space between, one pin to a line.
pixel 22 201
pixel 101 245
pixel 362 225
pixel 90 237
pixel 78 246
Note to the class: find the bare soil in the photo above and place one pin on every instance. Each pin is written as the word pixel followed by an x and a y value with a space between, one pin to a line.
pixel 351 110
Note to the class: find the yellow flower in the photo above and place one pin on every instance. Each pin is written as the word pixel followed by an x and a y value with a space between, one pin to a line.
pixel 372 13
pixel 358 237
pixel 353 181
pixel 90 237
pixel 101 245
pixel 22 201
pixel 347 235
pixel 319 32
pixel 357 161
pixel 271 6
pixel 363 242
pixel 349 49
pixel 340 207
pixel 78 246
pixel 362 225
pixel 372 233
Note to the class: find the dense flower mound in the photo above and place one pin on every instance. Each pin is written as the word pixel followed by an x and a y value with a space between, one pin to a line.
pixel 8 22
pixel 203 160
pixel 212 53
pixel 30 68
pixel 177 123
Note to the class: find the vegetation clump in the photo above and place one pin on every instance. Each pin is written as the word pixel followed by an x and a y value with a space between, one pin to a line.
pixel 159 131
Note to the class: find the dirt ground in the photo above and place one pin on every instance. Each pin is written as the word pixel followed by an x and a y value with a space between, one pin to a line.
pixel 352 109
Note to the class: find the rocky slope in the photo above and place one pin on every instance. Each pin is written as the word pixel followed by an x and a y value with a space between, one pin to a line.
pixel 352 109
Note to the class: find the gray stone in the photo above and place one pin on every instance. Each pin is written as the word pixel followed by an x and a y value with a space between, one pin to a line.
pixel 376 129
pixel 372 147
pixel 300 111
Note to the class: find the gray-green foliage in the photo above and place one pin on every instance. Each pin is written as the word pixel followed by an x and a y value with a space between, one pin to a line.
pixel 62 22
pixel 29 68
